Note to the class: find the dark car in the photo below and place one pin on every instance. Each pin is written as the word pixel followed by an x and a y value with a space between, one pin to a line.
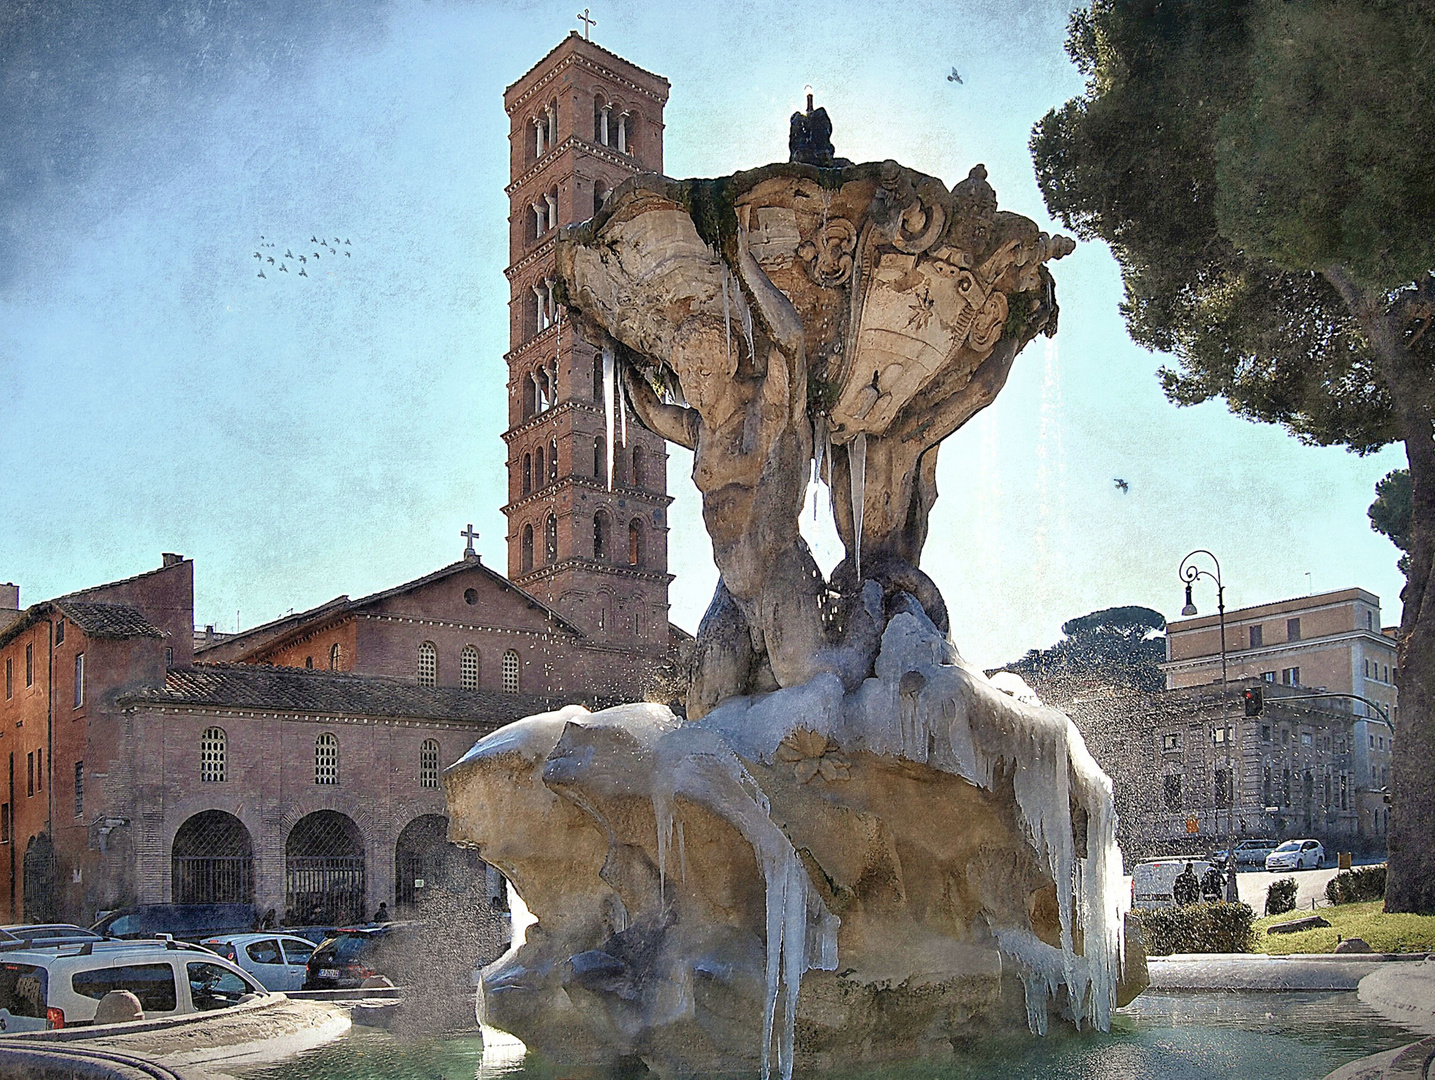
pixel 354 954
pixel 187 922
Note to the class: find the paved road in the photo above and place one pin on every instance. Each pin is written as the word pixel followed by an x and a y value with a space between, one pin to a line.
pixel 1310 885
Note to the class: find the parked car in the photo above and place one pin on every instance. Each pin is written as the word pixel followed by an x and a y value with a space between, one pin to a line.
pixel 1153 880
pixel 356 953
pixel 278 961
pixel 1296 855
pixel 188 922
pixel 62 986
pixel 46 933
pixel 1251 852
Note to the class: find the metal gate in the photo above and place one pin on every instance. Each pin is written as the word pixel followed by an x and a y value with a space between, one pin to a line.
pixel 212 861
pixel 324 874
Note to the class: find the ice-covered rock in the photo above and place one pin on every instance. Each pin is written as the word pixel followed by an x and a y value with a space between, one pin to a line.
pixel 807 875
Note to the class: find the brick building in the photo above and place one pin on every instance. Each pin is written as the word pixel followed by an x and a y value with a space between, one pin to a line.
pixel 136 775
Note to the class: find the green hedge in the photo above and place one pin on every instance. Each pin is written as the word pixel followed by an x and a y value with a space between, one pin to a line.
pixel 1198 928
pixel 1280 896
pixel 1354 886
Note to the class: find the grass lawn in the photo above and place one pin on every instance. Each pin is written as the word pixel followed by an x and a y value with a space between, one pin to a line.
pixel 1382 932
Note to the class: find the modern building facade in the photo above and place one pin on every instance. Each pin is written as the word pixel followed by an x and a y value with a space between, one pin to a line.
pixel 587 494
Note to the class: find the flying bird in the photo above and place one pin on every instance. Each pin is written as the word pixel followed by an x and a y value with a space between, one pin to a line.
pixel 261 272
pixel 303 258
pixel 301 272
pixel 316 254
pixel 346 241
pixel 271 260
pixel 258 256
pixel 954 77
pixel 1122 484
pixel 288 254
pixel 348 255
pixel 283 269
pixel 313 239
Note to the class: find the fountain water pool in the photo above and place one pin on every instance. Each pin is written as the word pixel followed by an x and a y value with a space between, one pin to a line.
pixel 1159 1036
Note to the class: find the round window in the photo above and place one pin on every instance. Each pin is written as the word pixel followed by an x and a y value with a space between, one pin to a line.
pixel 470 596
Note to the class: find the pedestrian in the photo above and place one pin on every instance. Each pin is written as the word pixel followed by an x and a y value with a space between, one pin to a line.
pixel 382 915
pixel 1213 884
pixel 1187 889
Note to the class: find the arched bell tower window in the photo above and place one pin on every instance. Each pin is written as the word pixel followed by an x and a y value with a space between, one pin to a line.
pixel 527 474
pixel 602 533
pixel 538 470
pixel 550 540
pixel 640 467
pixel 598 377
pixel 526 546
pixel 635 543
pixel 600 456
pixel 552 460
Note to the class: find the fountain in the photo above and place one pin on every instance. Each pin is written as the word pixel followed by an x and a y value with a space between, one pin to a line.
pixel 853 846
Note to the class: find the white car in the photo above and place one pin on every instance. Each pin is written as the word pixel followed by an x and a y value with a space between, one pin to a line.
pixel 1296 855
pixel 62 985
pixel 279 961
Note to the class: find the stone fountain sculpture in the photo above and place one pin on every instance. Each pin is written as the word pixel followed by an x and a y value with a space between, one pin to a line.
pixel 854 846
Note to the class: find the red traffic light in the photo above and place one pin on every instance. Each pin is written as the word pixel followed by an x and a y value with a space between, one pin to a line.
pixel 1253 699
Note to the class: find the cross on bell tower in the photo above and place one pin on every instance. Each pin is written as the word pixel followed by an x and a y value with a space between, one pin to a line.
pixel 582 121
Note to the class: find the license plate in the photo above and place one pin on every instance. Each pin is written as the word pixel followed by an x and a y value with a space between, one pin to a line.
pixel 328 973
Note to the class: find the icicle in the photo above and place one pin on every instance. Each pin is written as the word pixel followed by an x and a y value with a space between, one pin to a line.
pixel 819 432
pixel 608 394
pixel 857 466
pixel 726 314
pixel 746 313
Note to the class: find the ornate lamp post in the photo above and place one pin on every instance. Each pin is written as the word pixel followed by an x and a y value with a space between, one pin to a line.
pixel 1191 572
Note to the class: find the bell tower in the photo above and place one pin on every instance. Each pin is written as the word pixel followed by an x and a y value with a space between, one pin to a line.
pixel 581 121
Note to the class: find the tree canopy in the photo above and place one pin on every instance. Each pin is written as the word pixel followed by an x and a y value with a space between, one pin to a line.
pixel 1116 647
pixel 1229 151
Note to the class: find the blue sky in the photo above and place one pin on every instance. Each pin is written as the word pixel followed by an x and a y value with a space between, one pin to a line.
pixel 301 438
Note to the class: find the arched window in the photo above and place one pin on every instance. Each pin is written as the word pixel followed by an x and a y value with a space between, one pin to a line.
pixel 600 195
pixel 602 533
pixel 527 474
pixel 598 378
pixel 428 664
pixel 618 459
pixel 213 747
pixel 600 456
pixel 600 120
pixel 510 672
pixel 640 467
pixel 538 470
pixel 468 668
pixel 552 461
pixel 428 763
pixel 635 543
pixel 623 122
pixel 552 198
pixel 336 657
pixel 525 555
pixel 550 540
pixel 326 759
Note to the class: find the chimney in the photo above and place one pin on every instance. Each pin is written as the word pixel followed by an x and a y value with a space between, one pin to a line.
pixel 9 597
pixel 169 558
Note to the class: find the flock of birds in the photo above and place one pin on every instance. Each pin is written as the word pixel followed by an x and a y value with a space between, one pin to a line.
pixel 279 264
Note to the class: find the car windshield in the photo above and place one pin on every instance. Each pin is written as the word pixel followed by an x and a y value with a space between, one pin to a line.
pixel 342 950
pixel 22 989
pixel 1290 845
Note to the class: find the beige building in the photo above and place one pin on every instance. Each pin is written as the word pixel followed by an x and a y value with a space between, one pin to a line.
pixel 1331 641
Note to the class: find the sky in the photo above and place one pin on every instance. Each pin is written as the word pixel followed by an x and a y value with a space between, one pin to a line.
pixel 305 437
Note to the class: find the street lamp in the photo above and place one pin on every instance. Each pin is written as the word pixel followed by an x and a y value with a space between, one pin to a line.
pixel 1190 572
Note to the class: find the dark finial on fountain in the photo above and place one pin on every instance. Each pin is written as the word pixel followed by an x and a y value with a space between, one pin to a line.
pixel 809 139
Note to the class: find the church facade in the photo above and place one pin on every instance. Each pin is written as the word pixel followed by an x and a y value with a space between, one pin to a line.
pixel 296 765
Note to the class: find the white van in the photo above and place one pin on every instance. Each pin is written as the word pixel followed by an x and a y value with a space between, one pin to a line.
pixel 61 986
pixel 1153 880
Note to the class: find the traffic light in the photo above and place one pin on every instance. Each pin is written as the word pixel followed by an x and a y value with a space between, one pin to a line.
pixel 1251 695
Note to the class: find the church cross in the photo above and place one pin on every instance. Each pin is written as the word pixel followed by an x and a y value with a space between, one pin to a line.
pixel 471 536
pixel 588 23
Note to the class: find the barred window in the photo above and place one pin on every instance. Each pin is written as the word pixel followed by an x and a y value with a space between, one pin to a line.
pixel 79 789
pixel 510 672
pixel 468 668
pixel 428 763
pixel 212 753
pixel 326 759
pixel 428 664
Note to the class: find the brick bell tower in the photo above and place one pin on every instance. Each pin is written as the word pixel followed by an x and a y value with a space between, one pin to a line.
pixel 582 120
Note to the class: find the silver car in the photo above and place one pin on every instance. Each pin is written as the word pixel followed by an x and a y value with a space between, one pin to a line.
pixel 278 961
pixel 1296 855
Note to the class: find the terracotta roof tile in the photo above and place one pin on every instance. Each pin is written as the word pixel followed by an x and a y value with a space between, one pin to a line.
pixel 108 620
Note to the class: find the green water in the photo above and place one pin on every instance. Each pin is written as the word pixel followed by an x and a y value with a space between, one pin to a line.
pixel 1157 1037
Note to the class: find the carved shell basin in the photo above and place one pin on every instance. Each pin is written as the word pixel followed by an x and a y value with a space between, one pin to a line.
pixel 901 285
